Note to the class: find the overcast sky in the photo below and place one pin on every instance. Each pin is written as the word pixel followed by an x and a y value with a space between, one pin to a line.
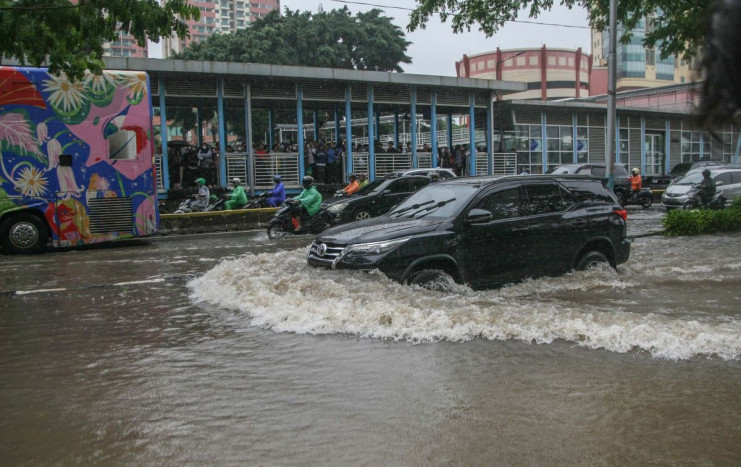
pixel 435 50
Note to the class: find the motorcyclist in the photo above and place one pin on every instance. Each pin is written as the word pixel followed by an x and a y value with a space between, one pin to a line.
pixel 200 199
pixel 434 177
pixel 238 197
pixel 706 188
pixel 306 204
pixel 353 186
pixel 636 182
pixel 278 194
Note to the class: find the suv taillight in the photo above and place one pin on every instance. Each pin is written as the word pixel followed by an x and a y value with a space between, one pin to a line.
pixel 622 213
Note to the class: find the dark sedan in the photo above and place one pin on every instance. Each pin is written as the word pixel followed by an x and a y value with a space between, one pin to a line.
pixel 374 199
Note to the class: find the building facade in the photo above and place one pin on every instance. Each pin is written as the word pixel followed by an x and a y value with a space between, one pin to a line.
pixel 637 66
pixel 548 73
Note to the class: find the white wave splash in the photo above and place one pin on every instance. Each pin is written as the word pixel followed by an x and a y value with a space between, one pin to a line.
pixel 279 291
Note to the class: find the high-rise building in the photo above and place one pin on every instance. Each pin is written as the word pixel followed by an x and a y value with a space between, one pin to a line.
pixel 637 66
pixel 222 16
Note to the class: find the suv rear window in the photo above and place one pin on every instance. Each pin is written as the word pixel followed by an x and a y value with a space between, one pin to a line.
pixel 584 191
pixel 502 204
pixel 544 199
pixel 736 177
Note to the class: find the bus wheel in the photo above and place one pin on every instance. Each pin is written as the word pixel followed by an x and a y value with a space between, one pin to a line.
pixel 23 233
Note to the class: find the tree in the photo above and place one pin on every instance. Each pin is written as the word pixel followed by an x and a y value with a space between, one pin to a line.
pixel 677 29
pixel 335 39
pixel 70 35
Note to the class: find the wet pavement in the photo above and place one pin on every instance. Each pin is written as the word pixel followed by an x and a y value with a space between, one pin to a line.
pixel 227 349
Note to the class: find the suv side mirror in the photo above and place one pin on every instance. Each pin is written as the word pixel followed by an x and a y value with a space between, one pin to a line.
pixel 478 216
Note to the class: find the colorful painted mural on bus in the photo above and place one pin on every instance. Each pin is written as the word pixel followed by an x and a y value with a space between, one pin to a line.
pixel 77 159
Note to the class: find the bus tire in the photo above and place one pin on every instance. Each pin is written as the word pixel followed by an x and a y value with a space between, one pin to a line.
pixel 24 233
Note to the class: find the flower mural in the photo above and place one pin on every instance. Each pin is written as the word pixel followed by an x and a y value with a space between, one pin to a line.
pixel 31 182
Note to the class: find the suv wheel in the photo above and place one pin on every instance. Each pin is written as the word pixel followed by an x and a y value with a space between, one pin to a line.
pixel 591 259
pixel 432 279
pixel 362 215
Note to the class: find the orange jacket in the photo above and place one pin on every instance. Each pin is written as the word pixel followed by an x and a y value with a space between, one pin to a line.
pixel 352 187
pixel 636 182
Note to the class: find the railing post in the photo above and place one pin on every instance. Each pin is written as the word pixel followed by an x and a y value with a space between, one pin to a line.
pixel 163 135
pixel 371 139
pixel 433 129
pixel 222 132
pixel 472 134
pixel 414 126
pixel 248 140
pixel 300 125
pixel 348 131
pixel 643 145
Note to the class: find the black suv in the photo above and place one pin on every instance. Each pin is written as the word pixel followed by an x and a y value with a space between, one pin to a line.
pixel 484 231
pixel 374 199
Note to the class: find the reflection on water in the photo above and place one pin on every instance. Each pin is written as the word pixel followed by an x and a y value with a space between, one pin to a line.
pixel 674 304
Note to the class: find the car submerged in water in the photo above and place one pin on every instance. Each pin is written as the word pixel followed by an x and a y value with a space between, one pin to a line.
pixel 484 232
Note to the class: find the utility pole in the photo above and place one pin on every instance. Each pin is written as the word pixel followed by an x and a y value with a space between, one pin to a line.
pixel 611 85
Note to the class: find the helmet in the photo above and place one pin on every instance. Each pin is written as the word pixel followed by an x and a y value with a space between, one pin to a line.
pixel 636 171
pixel 307 181
pixel 434 176
pixel 277 178
pixel 363 176
pixel 201 181
pixel 236 181
pixel 706 173
pixel 353 177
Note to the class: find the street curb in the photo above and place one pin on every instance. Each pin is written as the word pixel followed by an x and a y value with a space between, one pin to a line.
pixel 217 221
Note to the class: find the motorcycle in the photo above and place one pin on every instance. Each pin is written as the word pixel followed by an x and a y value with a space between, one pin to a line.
pixel 260 202
pixel 282 225
pixel 643 197
pixel 216 203
pixel 694 202
pixel 187 206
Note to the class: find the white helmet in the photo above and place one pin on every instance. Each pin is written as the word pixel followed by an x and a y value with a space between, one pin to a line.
pixel 236 180
pixel 635 170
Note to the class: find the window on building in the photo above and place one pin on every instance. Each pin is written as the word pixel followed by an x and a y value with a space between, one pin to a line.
pixel 650 57
pixel 533 60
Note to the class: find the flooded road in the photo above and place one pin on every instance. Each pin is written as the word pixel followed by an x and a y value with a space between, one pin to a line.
pixel 228 349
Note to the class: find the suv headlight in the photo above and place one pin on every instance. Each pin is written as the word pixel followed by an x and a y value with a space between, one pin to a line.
pixel 337 207
pixel 376 248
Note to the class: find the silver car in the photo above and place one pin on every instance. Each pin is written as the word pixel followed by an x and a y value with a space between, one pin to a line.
pixel 727 181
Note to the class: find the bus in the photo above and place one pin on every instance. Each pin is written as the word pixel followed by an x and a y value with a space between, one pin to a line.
pixel 77 163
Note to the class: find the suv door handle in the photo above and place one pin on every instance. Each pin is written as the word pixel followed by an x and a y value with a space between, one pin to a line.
pixel 579 222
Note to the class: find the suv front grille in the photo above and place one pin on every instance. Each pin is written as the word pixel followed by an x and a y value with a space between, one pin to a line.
pixel 324 253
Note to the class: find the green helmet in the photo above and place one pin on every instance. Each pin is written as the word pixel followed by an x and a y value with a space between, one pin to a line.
pixel 201 181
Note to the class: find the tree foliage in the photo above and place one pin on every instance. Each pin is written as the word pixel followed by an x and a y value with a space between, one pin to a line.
pixel 71 35
pixel 334 39
pixel 678 29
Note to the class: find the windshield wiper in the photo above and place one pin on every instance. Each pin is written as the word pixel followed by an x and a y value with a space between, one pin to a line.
pixel 430 209
pixel 414 206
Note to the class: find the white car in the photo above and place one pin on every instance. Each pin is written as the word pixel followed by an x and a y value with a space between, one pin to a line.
pixel 727 180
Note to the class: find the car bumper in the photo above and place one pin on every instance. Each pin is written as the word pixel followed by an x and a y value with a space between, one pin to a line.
pixel 673 202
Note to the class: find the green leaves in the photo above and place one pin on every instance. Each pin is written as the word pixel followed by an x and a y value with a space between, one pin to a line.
pixel 679 24
pixel 71 36
pixel 334 39
pixel 703 221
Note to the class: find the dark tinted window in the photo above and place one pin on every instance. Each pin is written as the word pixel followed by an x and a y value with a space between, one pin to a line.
pixel 724 178
pixel 544 199
pixel 619 170
pixel 598 172
pixel 583 171
pixel 736 177
pixel 502 204
pixel 585 191
pixel 418 183
pixel 400 186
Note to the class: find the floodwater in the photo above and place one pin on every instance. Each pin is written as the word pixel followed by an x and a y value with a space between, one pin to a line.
pixel 228 349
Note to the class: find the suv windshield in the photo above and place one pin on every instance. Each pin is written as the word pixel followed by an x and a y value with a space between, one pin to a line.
pixel 370 187
pixel 692 179
pixel 439 201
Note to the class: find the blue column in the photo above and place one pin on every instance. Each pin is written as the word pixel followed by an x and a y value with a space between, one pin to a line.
pixel 371 146
pixel 396 127
pixel 702 145
pixel 667 147
pixel 450 131
pixel 574 137
pixel 433 127
pixel 316 125
pixel 248 140
pixel 270 129
pixel 643 145
pixel 163 135
pixel 222 132
pixel 414 127
pixel 471 135
pixel 489 136
pixel 738 149
pixel 348 129
pixel 543 140
pixel 300 125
